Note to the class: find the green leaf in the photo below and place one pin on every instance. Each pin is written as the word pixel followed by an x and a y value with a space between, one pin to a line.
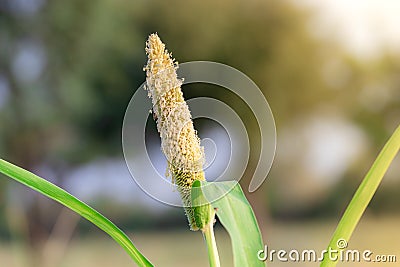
pixel 364 194
pixel 237 216
pixel 201 207
pixel 54 192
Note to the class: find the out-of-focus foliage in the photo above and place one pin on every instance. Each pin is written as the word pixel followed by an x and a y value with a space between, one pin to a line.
pixel 93 57
pixel 69 68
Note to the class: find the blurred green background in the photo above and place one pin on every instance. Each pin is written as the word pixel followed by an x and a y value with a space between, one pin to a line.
pixel 69 68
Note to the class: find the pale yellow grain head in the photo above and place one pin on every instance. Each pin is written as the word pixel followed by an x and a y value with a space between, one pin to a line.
pixel 179 140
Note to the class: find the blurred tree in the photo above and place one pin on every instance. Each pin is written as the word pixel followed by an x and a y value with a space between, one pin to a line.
pixel 69 70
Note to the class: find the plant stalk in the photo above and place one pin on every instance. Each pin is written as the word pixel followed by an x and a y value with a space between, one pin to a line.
pixel 209 237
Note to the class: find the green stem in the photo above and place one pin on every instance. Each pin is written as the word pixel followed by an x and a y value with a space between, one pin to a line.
pixel 208 233
pixel 363 195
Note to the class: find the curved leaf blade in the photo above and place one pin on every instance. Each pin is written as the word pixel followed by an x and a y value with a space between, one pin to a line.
pixel 364 194
pixel 63 197
pixel 237 216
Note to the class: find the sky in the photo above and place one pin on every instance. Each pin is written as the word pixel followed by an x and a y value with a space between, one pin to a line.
pixel 365 27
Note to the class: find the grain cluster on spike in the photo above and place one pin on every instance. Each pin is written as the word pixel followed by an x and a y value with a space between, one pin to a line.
pixel 179 140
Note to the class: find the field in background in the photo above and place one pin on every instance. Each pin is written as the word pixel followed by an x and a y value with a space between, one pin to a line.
pixel 183 248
